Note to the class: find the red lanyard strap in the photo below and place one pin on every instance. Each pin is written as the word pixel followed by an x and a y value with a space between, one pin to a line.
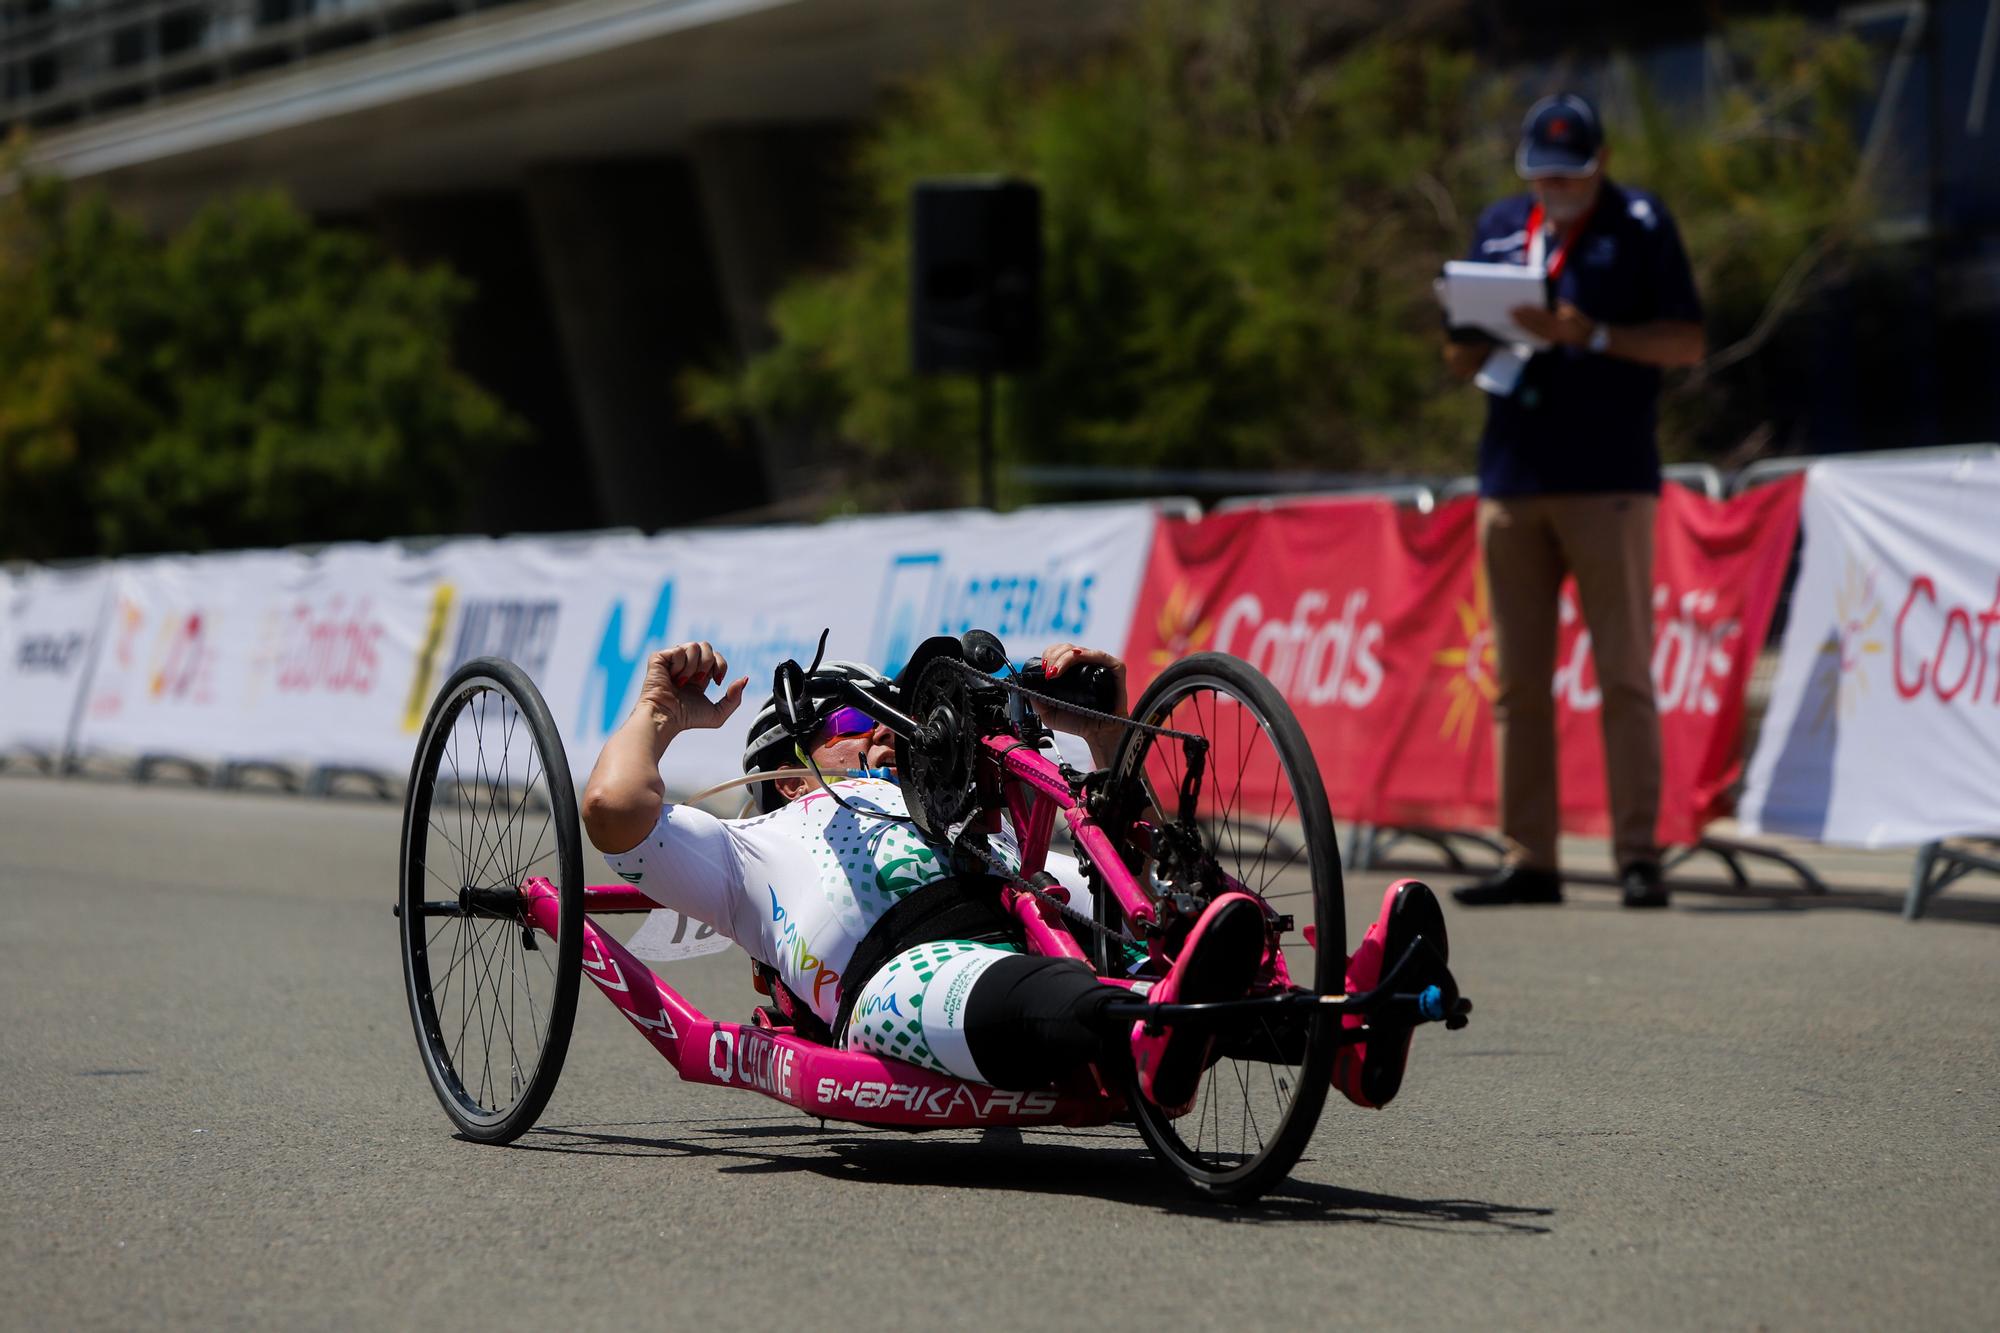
pixel 1561 256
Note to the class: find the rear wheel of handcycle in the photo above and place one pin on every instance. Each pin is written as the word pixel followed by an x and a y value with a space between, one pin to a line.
pixel 490 804
pixel 1263 815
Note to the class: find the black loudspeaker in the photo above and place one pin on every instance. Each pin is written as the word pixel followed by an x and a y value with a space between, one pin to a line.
pixel 975 276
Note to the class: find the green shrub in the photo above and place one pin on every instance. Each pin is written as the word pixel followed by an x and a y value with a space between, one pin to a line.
pixel 1242 218
pixel 253 379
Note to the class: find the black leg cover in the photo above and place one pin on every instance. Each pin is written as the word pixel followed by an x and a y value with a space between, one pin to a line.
pixel 1031 1022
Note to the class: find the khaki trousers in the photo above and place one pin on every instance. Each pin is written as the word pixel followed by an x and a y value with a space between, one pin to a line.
pixel 1528 545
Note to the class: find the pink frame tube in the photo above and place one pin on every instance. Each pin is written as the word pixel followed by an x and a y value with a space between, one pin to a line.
pixel 851 1085
pixel 819 1080
pixel 608 900
pixel 1033 818
pixel 1047 937
pixel 1033 768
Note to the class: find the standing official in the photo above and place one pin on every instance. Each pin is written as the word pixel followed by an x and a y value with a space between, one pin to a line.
pixel 1569 477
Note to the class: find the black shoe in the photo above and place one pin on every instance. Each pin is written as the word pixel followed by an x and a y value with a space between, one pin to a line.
pixel 1512 884
pixel 1641 882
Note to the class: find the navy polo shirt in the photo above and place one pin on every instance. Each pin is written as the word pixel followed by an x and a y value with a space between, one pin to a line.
pixel 1579 421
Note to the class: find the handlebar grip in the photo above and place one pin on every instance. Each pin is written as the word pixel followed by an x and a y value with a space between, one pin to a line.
pixel 1085 685
pixel 791 692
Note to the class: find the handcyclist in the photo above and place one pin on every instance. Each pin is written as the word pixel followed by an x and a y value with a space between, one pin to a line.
pixel 823 894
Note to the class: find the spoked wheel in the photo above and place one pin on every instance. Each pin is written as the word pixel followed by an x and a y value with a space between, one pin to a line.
pixel 490 806
pixel 1262 812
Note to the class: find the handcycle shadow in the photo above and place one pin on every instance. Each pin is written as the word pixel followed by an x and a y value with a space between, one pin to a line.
pixel 1963 910
pixel 1715 895
pixel 1109 1166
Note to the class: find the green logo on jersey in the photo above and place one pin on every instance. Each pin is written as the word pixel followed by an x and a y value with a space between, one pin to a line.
pixel 905 864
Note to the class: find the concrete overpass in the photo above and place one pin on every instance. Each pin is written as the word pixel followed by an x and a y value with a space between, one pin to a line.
pixel 627 181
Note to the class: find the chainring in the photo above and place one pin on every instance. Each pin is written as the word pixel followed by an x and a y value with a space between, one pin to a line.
pixel 940 782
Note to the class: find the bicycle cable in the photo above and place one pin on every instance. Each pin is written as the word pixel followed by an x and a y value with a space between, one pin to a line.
pixel 1096 715
pixel 1199 745
pixel 1195 747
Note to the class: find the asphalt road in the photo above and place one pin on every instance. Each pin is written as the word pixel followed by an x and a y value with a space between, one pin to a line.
pixel 1742 1113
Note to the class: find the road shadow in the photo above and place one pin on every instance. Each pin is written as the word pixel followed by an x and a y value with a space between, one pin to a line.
pixel 1102 1164
pixel 1724 897
pixel 1721 894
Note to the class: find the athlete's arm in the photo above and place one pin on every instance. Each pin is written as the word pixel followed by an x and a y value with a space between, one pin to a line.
pixel 1101 737
pixel 624 797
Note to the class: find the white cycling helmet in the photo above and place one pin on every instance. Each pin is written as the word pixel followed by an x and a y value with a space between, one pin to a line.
pixel 770 747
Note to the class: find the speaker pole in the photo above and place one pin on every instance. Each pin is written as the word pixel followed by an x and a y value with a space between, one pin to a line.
pixel 986 498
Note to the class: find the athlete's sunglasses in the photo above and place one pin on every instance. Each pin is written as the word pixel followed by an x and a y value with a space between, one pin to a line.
pixel 846 722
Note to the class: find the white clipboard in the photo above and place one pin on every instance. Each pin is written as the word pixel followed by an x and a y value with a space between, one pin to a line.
pixel 1482 295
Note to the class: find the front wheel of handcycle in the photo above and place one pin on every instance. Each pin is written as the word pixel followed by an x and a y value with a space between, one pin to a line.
pixel 490 806
pixel 1262 813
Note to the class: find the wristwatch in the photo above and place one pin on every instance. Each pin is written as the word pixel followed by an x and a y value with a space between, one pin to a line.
pixel 1600 339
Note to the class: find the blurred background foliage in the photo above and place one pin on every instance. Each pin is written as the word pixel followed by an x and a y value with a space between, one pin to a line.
pixel 1244 207
pixel 252 379
pixel 1244 202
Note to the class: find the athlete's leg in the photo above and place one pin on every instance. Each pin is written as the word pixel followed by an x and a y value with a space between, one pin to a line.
pixel 1034 1021
pixel 1015 1021
pixel 978 1012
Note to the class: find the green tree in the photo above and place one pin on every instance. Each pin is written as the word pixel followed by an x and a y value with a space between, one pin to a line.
pixel 253 379
pixel 1774 195
pixel 1243 213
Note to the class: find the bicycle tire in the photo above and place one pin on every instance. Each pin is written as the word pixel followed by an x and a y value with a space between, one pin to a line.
pixel 1175 699
pixel 489 702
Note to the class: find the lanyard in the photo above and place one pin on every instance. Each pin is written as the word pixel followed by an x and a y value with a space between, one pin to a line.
pixel 1538 243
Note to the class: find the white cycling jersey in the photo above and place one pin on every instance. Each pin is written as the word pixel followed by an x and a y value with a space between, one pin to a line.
pixel 799 887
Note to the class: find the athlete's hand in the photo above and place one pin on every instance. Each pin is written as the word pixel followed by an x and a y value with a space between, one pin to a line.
pixel 676 686
pixel 1102 737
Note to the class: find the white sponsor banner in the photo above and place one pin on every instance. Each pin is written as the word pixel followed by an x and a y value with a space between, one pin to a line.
pixel 261 655
pixel 528 600
pixel 49 621
pixel 166 680
pixel 335 657
pixel 880 585
pixel 1884 724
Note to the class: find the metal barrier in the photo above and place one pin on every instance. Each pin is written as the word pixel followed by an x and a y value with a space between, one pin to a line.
pixel 1703 477
pixel 1240 485
pixel 1937 865
pixel 1419 497
pixel 1771 469
pixel 1940 864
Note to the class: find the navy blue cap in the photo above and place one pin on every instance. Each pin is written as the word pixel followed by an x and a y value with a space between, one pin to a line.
pixel 1561 136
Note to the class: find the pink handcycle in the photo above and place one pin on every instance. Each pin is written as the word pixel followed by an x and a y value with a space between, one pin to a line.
pixel 1212 788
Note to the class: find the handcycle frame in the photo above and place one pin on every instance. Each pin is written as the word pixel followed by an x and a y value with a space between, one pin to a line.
pixel 847 1085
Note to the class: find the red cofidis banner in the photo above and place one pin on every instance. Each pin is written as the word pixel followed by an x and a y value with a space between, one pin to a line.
pixel 1373 622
